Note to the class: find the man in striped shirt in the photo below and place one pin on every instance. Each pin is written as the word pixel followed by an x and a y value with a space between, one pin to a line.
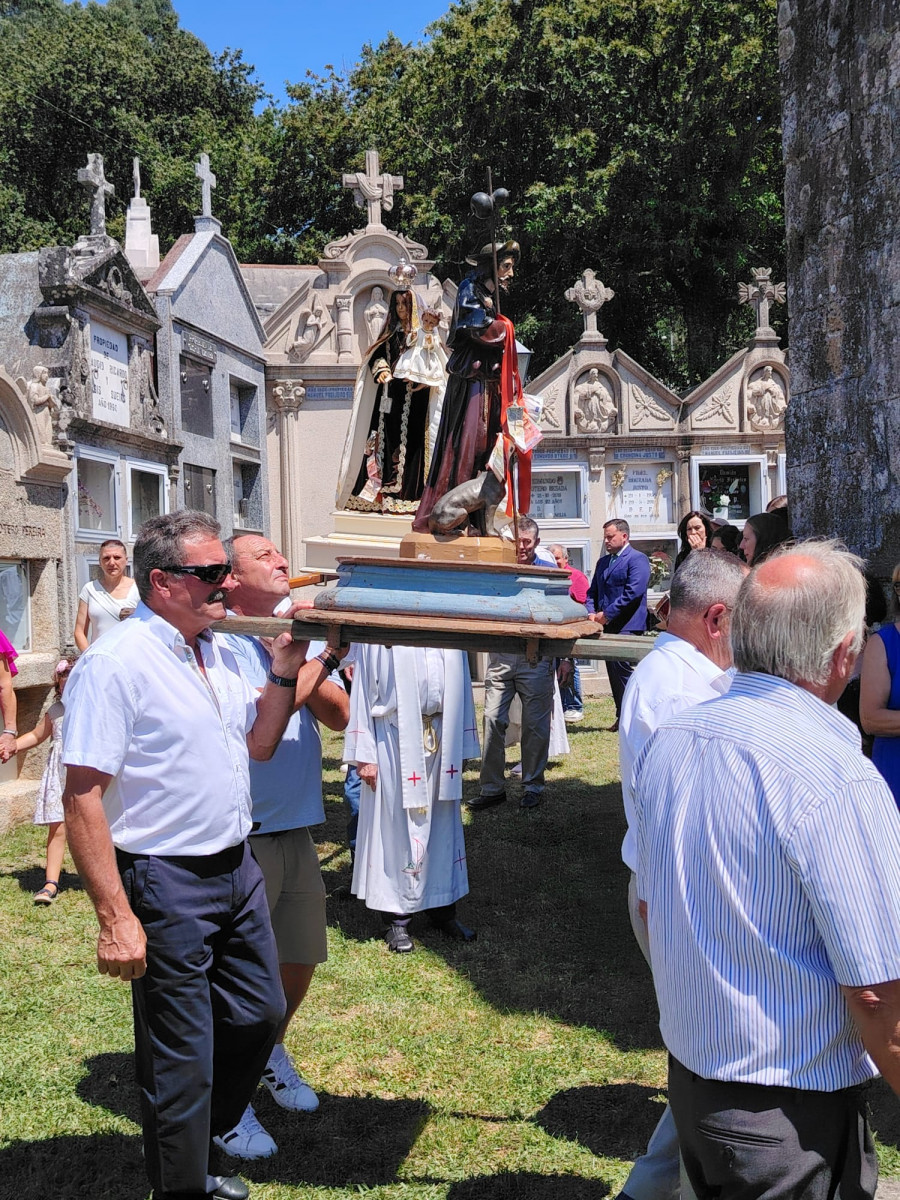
pixel 769 858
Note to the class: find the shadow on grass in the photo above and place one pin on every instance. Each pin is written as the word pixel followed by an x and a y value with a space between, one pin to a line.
pixel 884 1113
pixel 101 1166
pixel 350 1141
pixel 523 1185
pixel 548 898
pixel 614 1121
pixel 30 879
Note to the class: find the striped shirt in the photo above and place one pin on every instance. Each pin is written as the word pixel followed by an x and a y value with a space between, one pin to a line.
pixel 769 856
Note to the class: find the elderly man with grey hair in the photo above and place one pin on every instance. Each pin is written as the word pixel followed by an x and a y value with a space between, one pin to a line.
pixel 160 727
pixel 769 859
pixel 688 664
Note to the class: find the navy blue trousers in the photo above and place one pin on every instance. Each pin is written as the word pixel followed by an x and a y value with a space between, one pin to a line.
pixel 207 1010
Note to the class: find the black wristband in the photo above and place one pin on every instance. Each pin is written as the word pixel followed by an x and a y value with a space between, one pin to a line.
pixel 330 662
pixel 280 680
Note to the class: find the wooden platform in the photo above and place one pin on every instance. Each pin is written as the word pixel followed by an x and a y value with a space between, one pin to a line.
pixel 575 638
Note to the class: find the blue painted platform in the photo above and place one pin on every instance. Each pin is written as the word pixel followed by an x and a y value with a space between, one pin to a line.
pixel 481 591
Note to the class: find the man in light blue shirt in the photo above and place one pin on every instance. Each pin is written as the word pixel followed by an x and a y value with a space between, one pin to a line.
pixel 287 800
pixel 769 858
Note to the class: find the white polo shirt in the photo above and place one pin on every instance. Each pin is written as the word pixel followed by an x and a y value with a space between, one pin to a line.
pixel 674 676
pixel 138 708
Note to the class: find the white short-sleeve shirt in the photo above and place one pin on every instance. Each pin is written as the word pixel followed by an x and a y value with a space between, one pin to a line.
pixel 139 709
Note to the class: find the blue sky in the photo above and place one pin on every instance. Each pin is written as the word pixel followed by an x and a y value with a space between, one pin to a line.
pixel 283 40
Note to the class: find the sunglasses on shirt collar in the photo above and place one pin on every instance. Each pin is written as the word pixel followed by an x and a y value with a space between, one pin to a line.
pixel 213 573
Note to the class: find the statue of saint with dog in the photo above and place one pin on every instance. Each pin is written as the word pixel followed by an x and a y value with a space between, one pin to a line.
pixel 483 411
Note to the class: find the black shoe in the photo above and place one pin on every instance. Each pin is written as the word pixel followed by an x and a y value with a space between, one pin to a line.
pixel 530 799
pixel 231 1187
pixel 455 929
pixel 398 939
pixel 484 801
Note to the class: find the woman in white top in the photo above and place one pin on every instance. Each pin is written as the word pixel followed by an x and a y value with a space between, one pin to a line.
pixel 106 601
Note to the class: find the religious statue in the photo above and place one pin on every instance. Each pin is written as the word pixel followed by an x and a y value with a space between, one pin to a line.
pixel 308 328
pixel 43 399
pixel 375 313
pixel 396 411
pixel 595 408
pixel 766 402
pixel 38 393
pixel 482 388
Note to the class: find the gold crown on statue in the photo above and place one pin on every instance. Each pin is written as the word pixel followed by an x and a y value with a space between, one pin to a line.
pixel 403 274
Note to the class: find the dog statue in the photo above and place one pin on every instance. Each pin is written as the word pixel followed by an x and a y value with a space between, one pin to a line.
pixel 479 496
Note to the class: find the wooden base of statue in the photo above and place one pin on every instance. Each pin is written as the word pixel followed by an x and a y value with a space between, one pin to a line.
pixel 457 547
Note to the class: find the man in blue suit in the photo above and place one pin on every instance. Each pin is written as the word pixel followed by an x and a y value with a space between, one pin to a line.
pixel 617 599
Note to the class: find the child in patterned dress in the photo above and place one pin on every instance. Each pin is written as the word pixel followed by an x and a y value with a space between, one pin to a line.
pixel 49 809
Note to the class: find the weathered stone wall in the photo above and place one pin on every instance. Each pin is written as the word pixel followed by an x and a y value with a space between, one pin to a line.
pixel 840 77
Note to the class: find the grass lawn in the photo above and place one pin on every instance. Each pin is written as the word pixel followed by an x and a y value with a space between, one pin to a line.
pixel 527 1064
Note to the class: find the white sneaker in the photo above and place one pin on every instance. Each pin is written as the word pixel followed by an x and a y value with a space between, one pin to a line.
pixel 572 716
pixel 516 770
pixel 286 1086
pixel 248 1139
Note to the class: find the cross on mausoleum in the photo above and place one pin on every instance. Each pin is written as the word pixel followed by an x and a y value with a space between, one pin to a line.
pixel 92 177
pixel 761 293
pixel 373 190
pixel 208 180
pixel 590 295
pixel 136 177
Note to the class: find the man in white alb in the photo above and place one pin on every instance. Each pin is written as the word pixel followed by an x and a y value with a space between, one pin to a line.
pixel 412 726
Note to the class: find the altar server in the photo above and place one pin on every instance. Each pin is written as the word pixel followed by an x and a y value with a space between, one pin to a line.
pixel 412 725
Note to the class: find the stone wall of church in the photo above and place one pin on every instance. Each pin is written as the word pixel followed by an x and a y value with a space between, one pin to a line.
pixel 840 73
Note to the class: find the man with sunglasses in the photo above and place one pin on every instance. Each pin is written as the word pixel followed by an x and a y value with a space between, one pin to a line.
pixel 159 723
pixel 689 663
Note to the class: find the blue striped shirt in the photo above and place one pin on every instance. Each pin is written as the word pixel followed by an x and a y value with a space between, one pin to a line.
pixel 769 856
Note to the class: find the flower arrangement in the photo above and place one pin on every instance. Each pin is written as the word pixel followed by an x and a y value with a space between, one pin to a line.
pixel 660 568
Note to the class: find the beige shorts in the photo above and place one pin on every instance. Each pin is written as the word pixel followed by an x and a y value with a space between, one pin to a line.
pixel 295 891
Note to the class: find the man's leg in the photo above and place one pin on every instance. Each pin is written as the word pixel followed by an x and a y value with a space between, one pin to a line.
pixel 183 905
pixel 656 1175
pixel 247 997
pixel 619 673
pixel 351 799
pixel 741 1140
pixel 499 689
pixel 534 684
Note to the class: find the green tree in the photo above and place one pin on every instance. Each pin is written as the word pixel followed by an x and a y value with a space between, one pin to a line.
pixel 123 80
pixel 638 137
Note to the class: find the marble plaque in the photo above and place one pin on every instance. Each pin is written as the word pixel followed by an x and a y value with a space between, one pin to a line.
pixel 641 494
pixel 556 496
pixel 109 369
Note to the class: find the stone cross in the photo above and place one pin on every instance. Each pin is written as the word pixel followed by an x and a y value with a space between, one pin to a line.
pixel 92 177
pixel 208 180
pixel 590 295
pixel 372 189
pixel 761 293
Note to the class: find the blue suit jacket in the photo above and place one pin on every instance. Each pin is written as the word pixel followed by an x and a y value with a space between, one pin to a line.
pixel 619 589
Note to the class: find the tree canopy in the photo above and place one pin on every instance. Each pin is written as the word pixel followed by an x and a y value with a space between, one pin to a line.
pixel 637 137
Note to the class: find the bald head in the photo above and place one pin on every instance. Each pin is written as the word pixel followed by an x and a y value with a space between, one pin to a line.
pixel 796 610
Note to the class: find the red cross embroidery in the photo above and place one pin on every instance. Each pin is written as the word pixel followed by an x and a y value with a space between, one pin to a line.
pixel 451 771
pixel 459 860
pixel 414 778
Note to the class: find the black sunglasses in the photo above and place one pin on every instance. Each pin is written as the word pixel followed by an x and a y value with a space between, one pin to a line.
pixel 213 573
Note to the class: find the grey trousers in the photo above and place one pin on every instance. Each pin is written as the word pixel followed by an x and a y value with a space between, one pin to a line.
pixel 507 675
pixel 741 1140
